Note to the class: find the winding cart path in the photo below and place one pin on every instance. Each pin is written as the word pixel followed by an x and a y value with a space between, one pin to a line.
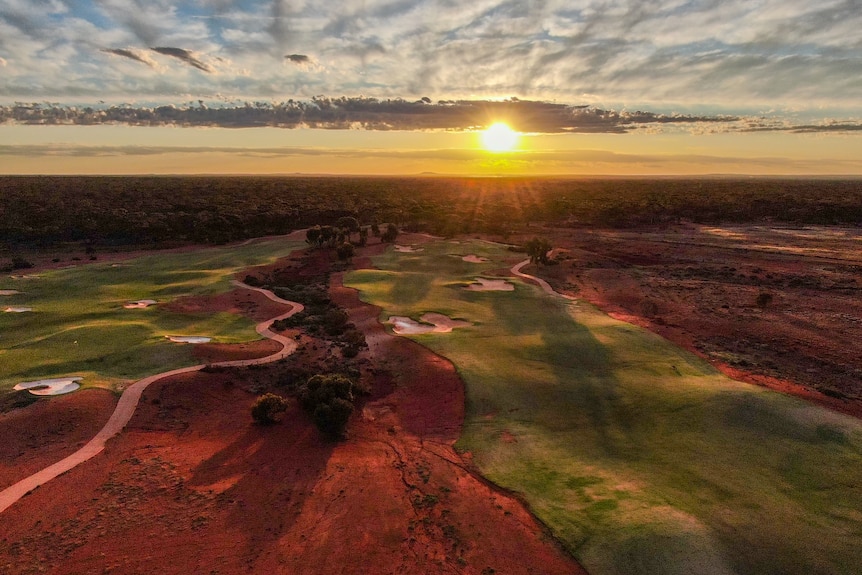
pixel 131 396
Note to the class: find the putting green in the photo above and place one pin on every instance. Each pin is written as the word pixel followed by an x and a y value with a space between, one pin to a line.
pixel 80 327
pixel 640 456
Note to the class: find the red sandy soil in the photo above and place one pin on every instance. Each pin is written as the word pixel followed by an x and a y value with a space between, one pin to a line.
pixel 192 486
pixel 697 286
pixel 49 430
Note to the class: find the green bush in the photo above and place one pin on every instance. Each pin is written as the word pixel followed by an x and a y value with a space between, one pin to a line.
pixel 329 399
pixel 331 418
pixel 268 409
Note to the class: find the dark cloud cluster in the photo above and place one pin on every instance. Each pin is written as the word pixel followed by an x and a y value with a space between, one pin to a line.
pixel 130 54
pixel 181 54
pixel 364 113
pixel 186 56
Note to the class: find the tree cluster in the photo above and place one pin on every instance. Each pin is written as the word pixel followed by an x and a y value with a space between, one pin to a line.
pixel 329 399
pixel 165 211
pixel 538 249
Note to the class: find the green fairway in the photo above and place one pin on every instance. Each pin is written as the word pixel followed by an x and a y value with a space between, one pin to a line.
pixel 78 325
pixel 640 456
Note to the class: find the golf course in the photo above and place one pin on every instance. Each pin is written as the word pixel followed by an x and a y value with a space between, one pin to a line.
pixel 639 456
pixel 82 321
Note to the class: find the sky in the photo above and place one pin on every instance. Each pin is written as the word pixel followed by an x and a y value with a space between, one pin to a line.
pixel 601 87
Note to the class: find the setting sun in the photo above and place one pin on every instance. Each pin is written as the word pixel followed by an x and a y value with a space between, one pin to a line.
pixel 499 138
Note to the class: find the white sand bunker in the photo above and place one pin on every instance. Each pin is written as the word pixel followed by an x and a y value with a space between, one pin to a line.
pixel 140 304
pixel 432 323
pixel 56 386
pixel 482 284
pixel 9 292
pixel 406 249
pixel 16 309
pixel 474 259
pixel 188 338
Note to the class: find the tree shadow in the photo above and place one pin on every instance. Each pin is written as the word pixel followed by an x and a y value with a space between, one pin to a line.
pixel 264 478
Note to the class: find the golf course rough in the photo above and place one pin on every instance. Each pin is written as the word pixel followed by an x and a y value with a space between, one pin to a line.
pixel 82 327
pixel 640 457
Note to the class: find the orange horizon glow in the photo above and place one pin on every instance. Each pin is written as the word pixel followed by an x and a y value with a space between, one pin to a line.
pixel 170 150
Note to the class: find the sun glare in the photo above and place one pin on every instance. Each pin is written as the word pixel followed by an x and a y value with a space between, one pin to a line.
pixel 499 138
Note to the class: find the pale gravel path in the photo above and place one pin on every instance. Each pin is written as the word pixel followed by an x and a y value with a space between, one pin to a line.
pixel 132 395
pixel 516 270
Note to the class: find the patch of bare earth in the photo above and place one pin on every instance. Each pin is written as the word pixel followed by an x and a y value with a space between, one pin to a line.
pixel 698 286
pixel 192 486
pixel 48 430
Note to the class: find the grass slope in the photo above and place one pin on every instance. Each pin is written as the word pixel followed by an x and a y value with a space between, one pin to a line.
pixel 640 456
pixel 79 326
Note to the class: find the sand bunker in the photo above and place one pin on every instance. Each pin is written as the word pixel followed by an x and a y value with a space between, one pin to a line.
pixel 432 323
pixel 406 249
pixel 140 304
pixel 57 386
pixel 482 284
pixel 15 309
pixel 474 259
pixel 188 338
pixel 9 292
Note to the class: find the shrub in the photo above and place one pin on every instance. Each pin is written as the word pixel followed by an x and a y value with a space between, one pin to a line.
pixel 763 299
pixel 323 389
pixel 390 234
pixel 331 418
pixel 252 281
pixel 19 263
pixel 268 409
pixel 329 399
pixel 345 251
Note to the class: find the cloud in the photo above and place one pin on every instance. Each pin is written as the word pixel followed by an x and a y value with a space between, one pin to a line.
pixel 2 63
pixel 368 114
pixel 661 55
pixel 131 54
pixel 186 56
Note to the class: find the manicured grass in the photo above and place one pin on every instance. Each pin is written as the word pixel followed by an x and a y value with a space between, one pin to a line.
pixel 79 326
pixel 640 456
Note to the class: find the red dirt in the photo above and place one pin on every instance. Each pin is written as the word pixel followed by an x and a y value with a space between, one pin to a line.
pixel 697 286
pixel 249 303
pixel 215 352
pixel 49 430
pixel 192 486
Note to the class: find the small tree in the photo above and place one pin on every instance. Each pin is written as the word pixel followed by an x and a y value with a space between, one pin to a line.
pixel 390 234
pixel 312 236
pixel 537 249
pixel 268 409
pixel 331 418
pixel 329 399
pixel 349 224
pixel 363 236
pixel 327 236
pixel 375 230
pixel 345 251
